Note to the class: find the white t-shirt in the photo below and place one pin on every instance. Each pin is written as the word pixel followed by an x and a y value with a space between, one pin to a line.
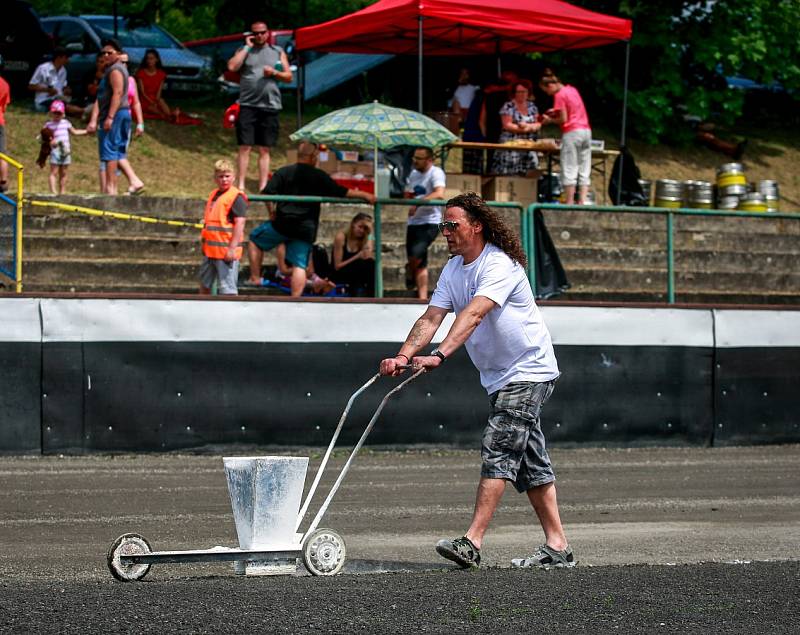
pixel 512 342
pixel 421 184
pixel 464 95
pixel 47 74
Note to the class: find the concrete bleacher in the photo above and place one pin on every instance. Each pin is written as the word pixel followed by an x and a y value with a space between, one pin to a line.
pixel 608 257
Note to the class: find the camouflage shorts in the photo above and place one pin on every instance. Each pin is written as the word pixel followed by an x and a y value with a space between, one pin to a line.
pixel 513 446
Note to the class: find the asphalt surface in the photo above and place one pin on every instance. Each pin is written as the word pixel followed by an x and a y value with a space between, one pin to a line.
pixel 670 540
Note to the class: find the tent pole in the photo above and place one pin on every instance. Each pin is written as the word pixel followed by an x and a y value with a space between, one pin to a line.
pixel 499 61
pixel 300 89
pixel 419 66
pixel 622 139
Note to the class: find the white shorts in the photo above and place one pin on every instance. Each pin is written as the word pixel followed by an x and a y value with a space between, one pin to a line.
pixel 60 156
pixel 576 157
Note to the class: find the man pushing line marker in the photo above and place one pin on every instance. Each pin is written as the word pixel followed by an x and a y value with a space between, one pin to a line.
pixel 502 328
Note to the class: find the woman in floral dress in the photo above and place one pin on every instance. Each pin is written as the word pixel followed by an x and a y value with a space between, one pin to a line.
pixel 519 120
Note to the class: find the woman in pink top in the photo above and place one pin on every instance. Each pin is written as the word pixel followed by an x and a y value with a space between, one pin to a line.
pixel 576 136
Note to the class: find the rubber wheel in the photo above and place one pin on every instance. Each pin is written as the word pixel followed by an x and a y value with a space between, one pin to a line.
pixel 128 545
pixel 324 552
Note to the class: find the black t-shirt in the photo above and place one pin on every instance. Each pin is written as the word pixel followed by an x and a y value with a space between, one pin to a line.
pixel 239 207
pixel 299 221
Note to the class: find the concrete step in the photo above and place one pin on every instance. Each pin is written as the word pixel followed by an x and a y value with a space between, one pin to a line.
pixel 192 210
pixel 186 249
pixel 655 279
pixel 564 237
pixel 761 223
pixel 177 249
pixel 760 236
pixel 119 274
pixel 607 256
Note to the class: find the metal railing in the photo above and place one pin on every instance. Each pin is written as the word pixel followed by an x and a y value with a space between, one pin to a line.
pixel 16 234
pixel 669 213
pixel 377 231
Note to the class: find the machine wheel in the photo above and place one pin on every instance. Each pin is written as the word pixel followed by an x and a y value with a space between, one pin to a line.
pixel 324 552
pixel 128 545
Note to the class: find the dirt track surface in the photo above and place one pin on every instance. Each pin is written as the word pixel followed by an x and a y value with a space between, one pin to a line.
pixel 710 537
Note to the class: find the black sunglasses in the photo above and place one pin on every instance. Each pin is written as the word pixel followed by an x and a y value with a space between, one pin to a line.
pixel 449 225
pixel 260 32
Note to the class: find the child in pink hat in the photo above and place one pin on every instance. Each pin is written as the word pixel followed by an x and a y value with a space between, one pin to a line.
pixel 60 152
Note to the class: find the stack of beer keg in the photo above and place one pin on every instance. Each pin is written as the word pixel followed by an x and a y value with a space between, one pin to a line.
pixel 732 192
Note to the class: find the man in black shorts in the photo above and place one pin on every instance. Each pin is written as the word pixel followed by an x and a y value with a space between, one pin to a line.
pixel 426 182
pixel 261 66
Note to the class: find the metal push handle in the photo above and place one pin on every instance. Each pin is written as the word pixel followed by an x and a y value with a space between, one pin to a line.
pixel 363 438
pixel 322 465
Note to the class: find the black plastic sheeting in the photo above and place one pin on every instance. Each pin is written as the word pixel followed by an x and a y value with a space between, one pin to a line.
pixel 757 396
pixel 116 396
pixel 20 399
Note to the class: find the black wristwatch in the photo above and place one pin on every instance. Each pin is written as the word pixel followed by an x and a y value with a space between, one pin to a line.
pixel 437 353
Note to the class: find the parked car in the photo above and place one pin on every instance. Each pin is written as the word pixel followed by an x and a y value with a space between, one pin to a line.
pixel 23 43
pixel 220 49
pixel 83 36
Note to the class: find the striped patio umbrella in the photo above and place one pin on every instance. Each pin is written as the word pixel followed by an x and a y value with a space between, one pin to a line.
pixel 375 126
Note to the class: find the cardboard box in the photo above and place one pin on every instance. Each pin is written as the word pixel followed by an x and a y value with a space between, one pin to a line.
pixel 359 167
pixel 460 183
pixel 327 161
pixel 512 188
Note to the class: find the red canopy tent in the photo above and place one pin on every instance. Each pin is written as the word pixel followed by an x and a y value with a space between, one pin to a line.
pixel 469 27
pixel 465 27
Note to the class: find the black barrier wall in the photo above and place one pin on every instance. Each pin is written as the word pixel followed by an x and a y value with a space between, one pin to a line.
pixel 20 376
pixel 129 375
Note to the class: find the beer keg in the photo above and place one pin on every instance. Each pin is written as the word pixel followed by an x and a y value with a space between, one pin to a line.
pixel 647 190
pixel 728 202
pixel 730 174
pixel 770 191
pixel 699 194
pixel 669 193
pixel 753 202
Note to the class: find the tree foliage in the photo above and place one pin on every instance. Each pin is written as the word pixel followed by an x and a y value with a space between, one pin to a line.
pixel 196 19
pixel 680 54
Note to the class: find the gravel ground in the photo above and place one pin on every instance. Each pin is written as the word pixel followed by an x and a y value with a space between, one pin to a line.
pixel 715 598
pixel 668 539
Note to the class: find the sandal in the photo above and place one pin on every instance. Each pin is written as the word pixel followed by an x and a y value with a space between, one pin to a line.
pixel 461 551
pixel 257 285
pixel 546 558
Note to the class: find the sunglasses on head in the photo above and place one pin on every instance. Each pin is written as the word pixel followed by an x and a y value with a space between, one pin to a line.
pixel 449 225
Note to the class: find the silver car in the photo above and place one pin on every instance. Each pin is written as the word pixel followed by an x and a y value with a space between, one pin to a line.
pixel 83 37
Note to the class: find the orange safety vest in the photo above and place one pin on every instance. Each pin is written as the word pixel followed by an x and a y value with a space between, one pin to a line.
pixel 217 229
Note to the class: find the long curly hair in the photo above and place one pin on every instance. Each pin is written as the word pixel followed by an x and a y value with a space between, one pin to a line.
pixel 495 230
